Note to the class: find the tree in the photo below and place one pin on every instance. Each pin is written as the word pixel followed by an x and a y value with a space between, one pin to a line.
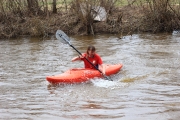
pixel 33 6
pixel 54 6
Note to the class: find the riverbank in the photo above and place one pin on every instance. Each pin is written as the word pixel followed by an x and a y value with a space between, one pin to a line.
pixel 122 20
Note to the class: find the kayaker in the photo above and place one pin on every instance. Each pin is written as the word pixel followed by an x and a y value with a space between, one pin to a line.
pixel 93 57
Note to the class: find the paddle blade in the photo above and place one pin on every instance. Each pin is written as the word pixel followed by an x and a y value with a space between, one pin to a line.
pixel 60 35
pixel 107 78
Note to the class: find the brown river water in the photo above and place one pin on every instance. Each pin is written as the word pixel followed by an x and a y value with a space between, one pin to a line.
pixel 146 88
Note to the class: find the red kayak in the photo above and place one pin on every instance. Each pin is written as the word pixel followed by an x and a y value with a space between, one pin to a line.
pixel 82 75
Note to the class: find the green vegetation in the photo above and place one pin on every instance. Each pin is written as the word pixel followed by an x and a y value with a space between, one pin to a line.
pixel 44 17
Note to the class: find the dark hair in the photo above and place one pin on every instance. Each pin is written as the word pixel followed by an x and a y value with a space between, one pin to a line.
pixel 92 48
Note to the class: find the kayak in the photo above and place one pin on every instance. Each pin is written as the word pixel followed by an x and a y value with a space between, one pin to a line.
pixel 79 75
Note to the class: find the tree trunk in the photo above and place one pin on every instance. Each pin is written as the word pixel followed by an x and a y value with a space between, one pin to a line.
pixel 65 2
pixel 46 9
pixel 54 6
pixel 33 6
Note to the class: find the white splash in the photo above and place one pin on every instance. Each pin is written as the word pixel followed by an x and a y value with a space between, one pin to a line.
pixel 99 82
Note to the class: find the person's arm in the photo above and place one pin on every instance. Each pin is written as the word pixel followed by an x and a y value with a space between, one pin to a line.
pixel 76 58
pixel 101 65
pixel 102 68
pixel 79 57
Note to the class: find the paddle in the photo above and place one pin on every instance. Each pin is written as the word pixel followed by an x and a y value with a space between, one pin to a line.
pixel 60 35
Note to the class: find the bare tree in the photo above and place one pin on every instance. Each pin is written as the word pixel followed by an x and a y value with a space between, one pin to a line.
pixel 54 6
pixel 33 6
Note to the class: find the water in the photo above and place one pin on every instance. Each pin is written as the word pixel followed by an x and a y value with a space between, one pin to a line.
pixel 146 88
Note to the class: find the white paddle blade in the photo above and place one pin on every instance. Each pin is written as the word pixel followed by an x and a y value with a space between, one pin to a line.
pixel 60 35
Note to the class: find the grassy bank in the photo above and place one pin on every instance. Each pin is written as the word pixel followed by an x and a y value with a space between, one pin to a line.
pixel 17 17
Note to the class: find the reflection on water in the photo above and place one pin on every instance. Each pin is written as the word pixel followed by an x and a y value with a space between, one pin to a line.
pixel 146 88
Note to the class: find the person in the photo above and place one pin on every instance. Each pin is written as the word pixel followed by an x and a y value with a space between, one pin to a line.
pixel 93 57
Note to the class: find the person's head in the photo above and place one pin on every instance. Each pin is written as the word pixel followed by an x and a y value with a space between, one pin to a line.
pixel 91 50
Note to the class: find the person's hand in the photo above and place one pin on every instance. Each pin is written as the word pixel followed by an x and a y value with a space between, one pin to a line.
pixel 104 72
pixel 81 56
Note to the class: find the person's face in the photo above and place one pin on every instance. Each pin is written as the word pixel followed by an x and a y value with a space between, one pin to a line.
pixel 91 53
